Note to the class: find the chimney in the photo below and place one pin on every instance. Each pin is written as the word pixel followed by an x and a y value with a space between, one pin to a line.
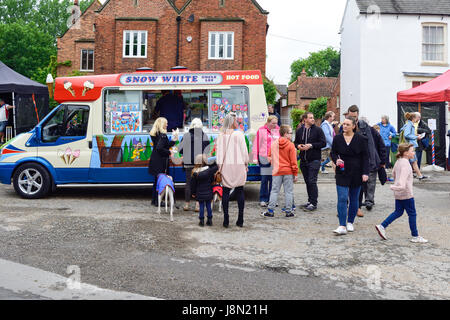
pixel 303 74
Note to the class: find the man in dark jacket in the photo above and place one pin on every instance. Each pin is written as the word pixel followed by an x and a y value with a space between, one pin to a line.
pixel 310 140
pixel 272 112
pixel 423 143
pixel 171 106
pixel 377 156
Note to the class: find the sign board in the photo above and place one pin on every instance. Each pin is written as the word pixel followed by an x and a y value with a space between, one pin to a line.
pixel 432 124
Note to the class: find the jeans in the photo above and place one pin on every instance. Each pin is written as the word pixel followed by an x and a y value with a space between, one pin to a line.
pixel 347 195
pixel 310 170
pixel 239 193
pixel 187 189
pixel 400 207
pixel 266 187
pixel 387 161
pixel 202 209
pixel 419 157
pixel 325 158
pixel 154 193
pixel 288 186
pixel 368 189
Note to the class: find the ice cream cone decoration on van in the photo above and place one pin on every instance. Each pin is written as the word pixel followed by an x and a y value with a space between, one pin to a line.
pixel 88 85
pixel 62 155
pixel 68 154
pixel 75 155
pixel 68 87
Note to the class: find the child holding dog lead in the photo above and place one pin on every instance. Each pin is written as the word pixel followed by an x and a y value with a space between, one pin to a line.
pixel 202 186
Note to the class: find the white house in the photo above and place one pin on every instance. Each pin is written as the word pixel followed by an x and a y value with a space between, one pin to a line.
pixel 388 46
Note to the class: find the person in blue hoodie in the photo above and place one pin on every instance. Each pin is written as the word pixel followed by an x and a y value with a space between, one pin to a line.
pixel 409 132
pixel 329 133
pixel 387 132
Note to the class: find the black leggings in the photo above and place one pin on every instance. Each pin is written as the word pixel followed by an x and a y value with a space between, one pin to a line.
pixel 239 193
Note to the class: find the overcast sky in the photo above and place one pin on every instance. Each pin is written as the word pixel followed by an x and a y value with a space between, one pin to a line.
pixel 313 24
pixel 308 21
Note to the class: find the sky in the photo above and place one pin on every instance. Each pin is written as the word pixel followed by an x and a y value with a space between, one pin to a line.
pixel 313 25
pixel 309 25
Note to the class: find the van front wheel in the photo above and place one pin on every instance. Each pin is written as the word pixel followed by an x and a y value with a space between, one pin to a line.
pixel 31 181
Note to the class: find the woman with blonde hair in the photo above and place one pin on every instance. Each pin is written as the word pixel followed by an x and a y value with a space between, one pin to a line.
pixel 232 160
pixel 409 132
pixel 194 143
pixel 159 160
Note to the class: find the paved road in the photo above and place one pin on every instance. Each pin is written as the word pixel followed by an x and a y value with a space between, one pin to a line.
pixel 121 245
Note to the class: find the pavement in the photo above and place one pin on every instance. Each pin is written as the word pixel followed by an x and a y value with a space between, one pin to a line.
pixel 122 246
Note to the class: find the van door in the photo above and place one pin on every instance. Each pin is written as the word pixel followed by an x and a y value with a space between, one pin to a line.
pixel 64 143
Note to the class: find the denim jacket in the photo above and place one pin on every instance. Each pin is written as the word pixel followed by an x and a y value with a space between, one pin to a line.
pixel 410 133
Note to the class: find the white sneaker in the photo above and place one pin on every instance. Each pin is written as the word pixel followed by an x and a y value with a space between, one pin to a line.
pixel 263 204
pixel 350 227
pixel 381 231
pixel 324 172
pixel 419 239
pixel 340 230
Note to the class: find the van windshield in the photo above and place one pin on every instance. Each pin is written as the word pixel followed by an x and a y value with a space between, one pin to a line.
pixel 132 112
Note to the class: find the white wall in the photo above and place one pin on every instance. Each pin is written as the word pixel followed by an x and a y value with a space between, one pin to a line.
pixel 350 57
pixel 389 48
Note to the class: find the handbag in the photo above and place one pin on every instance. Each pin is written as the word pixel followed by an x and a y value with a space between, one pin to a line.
pixel 218 174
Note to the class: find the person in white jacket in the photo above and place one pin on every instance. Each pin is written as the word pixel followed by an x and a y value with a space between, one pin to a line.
pixel 403 192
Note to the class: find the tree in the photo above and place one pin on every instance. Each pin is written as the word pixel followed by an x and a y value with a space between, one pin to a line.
pixel 324 63
pixel 318 107
pixel 25 48
pixel 271 91
pixel 12 11
pixel 296 115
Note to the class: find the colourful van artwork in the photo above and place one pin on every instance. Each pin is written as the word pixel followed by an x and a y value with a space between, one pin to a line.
pixel 99 134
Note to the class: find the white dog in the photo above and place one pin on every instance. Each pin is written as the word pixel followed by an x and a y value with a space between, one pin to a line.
pixel 165 188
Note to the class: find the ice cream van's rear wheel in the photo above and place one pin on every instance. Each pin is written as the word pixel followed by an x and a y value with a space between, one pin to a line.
pixel 32 181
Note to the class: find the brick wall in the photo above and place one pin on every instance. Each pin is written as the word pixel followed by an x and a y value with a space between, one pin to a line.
pixel 158 17
pixel 74 40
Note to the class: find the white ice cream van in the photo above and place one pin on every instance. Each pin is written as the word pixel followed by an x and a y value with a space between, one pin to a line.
pixel 99 134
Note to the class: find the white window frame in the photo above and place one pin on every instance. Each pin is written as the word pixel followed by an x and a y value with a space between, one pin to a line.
pixel 81 61
pixel 445 43
pixel 139 44
pixel 225 45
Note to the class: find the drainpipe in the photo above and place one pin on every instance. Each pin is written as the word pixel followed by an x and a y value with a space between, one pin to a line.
pixel 177 63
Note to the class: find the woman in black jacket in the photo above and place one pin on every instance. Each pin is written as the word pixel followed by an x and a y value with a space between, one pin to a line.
pixel 194 142
pixel 202 186
pixel 350 154
pixel 159 160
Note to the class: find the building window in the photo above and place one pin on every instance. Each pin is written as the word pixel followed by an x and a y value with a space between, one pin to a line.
pixel 434 45
pixel 418 83
pixel 135 44
pixel 221 45
pixel 87 60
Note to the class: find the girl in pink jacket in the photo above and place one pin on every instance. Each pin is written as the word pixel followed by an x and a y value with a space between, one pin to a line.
pixel 403 192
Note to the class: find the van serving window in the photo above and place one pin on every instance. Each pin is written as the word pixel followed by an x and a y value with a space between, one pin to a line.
pixel 122 112
pixel 222 102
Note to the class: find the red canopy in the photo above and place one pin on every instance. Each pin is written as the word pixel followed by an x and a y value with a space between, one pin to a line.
pixel 436 90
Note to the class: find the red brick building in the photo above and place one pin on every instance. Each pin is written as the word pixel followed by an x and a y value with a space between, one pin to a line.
pixel 123 35
pixel 306 89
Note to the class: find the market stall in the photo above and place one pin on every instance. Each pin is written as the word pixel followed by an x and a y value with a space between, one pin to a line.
pixel 431 100
pixel 30 99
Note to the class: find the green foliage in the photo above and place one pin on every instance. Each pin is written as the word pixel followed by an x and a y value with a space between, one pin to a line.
pixel 324 63
pixel 270 90
pixel 296 115
pixel 126 154
pixel 318 107
pixel 28 31
pixel 24 48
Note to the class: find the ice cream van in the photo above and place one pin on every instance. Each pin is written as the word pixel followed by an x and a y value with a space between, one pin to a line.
pixel 99 134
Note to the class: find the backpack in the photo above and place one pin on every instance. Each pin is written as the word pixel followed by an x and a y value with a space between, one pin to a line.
pixel 401 138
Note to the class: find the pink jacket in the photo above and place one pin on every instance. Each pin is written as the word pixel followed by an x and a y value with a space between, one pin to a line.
pixel 403 180
pixel 263 141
